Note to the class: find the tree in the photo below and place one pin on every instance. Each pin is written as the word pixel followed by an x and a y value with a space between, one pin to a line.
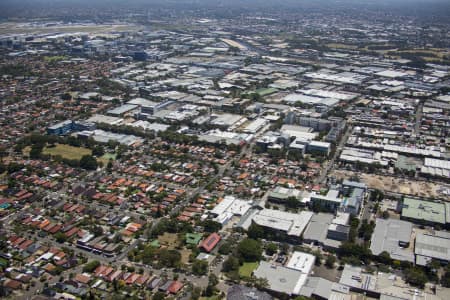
pixel 200 267
pixel 416 276
pixel 91 266
pixel 60 237
pixel 98 151
pixel 169 258
pixel 384 258
pixel 159 296
pixel 196 293
pixel 329 262
pixel 445 280
pixel 292 202
pixel 225 248
pixel 348 249
pixel 231 264
pixel 66 96
pixel 36 151
pixel 271 249
pixel 148 255
pixel 250 250
pixel 255 231
pixel 213 280
pixel 97 230
pixel 211 226
pixel 88 162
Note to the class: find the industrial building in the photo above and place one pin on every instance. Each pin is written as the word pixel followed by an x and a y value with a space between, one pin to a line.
pixel 122 110
pixel 433 245
pixel 425 212
pixel 392 236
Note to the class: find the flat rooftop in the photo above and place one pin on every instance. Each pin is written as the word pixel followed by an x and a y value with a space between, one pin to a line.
pixel 388 235
pixel 291 223
pixel 428 211
pixel 281 279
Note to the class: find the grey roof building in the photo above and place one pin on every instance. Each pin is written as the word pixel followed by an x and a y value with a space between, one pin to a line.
pixel 327 230
pixel 392 236
pixel 241 292
pixel 318 228
pixel 320 288
pixel 432 246
pixel 281 279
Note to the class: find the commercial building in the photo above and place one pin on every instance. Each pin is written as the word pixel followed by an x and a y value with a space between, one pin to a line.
pixel 281 280
pixel 317 147
pixel 69 126
pixel 61 128
pixel 320 288
pixel 330 201
pixel 242 292
pixel 255 126
pixel 280 194
pixel 327 230
pixel 272 140
pixel 102 136
pixel 353 193
pixel 392 236
pixel 229 207
pixel 280 222
pixel 300 261
pixel 380 285
pixel 105 119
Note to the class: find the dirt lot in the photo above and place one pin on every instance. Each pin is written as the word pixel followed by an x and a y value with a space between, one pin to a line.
pixel 396 185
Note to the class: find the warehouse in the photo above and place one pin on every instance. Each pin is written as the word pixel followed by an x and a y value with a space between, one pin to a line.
pixel 430 246
pixel 392 236
pixel 255 125
pixel 436 167
pixel 425 212
pixel 122 110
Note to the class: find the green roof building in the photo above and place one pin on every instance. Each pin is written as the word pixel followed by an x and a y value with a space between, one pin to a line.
pixel 155 244
pixel 193 238
pixel 425 211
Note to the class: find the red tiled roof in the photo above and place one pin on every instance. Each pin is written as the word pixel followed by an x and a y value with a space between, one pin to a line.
pixel 210 242
pixel 175 287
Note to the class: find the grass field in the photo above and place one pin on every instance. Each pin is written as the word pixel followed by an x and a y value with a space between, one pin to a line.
pixel 266 91
pixel 217 297
pixel 106 157
pixel 68 152
pixel 247 268
pixel 170 240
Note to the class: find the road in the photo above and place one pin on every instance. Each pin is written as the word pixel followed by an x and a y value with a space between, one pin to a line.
pixel 419 113
pixel 330 164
